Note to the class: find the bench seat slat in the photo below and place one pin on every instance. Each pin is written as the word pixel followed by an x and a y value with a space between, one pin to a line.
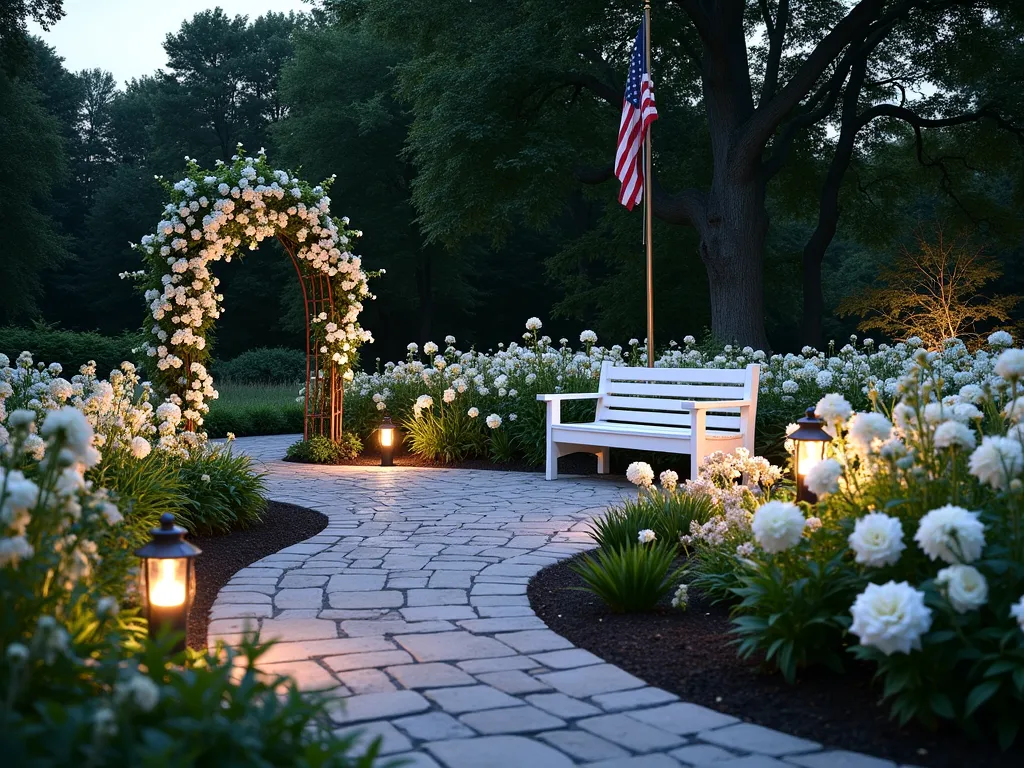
pixel 666 404
pixel 668 419
pixel 678 392
pixel 659 430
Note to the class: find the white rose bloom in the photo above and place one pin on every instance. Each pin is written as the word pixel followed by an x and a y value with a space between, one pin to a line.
pixel 823 478
pixel 534 324
pixel 877 540
pixel 953 434
pixel 75 428
pixel 640 473
pixel 997 461
pixel 140 447
pixel 424 401
pixel 588 337
pixel 868 430
pixel 473 412
pixel 890 617
pixel 430 348
pixel 449 395
pixel 778 526
pixel 964 586
pixel 1010 364
pixel 832 408
pixel 952 534
pixel 493 421
pixel 646 536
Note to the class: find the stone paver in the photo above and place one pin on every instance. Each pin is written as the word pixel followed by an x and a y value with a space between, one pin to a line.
pixel 411 608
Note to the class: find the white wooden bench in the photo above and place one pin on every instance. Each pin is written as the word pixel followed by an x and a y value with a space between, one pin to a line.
pixel 695 411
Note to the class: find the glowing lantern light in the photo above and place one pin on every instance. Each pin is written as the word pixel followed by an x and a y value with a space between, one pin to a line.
pixel 387 442
pixel 810 441
pixel 168 578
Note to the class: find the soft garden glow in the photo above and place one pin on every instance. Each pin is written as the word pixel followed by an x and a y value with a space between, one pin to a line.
pixel 387 442
pixel 810 441
pixel 168 578
pixel 166 583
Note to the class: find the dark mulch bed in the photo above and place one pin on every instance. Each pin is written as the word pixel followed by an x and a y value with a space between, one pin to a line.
pixel 690 655
pixel 282 526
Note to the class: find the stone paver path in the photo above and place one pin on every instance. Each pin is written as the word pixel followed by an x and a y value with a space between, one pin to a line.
pixel 411 607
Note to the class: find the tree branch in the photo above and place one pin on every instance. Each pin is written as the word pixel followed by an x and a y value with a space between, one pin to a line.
pixel 776 38
pixel 594 84
pixel 699 16
pixel 853 27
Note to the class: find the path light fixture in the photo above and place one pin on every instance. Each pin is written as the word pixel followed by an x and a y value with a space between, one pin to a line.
pixel 810 441
pixel 168 578
pixel 387 442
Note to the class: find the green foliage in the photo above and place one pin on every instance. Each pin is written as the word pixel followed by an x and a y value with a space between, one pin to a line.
pixel 630 579
pixel 224 492
pixel 618 527
pixel 32 153
pixel 668 513
pixel 444 432
pixel 264 365
pixel 322 450
pixel 71 349
pixel 795 606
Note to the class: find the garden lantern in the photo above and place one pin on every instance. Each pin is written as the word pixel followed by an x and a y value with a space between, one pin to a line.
pixel 387 442
pixel 810 440
pixel 168 578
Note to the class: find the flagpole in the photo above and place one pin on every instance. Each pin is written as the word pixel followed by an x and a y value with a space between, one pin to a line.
pixel 648 198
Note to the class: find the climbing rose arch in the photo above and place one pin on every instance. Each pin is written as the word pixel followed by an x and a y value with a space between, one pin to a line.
pixel 211 215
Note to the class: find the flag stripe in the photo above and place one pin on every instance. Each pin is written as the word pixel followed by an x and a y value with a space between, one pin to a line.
pixel 638 112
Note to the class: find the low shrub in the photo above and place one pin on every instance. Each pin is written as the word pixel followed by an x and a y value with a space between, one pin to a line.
pixel 630 579
pixel 224 491
pixel 449 432
pixel 322 450
pixel 71 349
pixel 264 365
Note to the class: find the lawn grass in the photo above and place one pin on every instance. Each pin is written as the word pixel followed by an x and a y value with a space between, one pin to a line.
pixel 255 409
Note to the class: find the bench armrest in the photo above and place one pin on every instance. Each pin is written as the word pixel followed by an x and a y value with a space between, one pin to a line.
pixel 568 396
pixel 705 405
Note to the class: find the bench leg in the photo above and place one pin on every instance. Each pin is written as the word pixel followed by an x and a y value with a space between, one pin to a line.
pixel 604 464
pixel 551 467
pixel 694 463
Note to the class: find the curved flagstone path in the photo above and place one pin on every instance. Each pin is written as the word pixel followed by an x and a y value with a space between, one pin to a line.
pixel 411 607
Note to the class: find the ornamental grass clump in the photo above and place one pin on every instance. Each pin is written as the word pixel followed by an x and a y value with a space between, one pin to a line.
pixel 633 578
pixel 913 557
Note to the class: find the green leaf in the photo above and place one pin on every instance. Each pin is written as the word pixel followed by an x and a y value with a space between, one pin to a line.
pixel 942 706
pixel 979 696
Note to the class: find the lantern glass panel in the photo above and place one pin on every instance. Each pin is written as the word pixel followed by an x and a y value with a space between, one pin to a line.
pixel 387 436
pixel 168 581
pixel 810 454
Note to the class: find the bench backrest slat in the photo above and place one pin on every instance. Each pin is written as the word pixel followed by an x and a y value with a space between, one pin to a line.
pixel 656 396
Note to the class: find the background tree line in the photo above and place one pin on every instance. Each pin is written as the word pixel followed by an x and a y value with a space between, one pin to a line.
pixel 471 145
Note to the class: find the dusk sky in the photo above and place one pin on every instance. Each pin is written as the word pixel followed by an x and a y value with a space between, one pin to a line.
pixel 126 36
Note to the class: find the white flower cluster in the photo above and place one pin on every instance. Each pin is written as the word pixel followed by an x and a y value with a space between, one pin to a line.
pixel 211 216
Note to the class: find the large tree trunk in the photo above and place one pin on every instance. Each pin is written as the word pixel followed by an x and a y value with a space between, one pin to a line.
pixel 732 239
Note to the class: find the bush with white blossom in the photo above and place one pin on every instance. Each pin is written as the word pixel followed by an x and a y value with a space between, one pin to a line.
pixel 211 216
pixel 919 559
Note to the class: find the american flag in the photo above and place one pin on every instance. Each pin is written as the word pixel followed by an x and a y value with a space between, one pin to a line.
pixel 638 112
